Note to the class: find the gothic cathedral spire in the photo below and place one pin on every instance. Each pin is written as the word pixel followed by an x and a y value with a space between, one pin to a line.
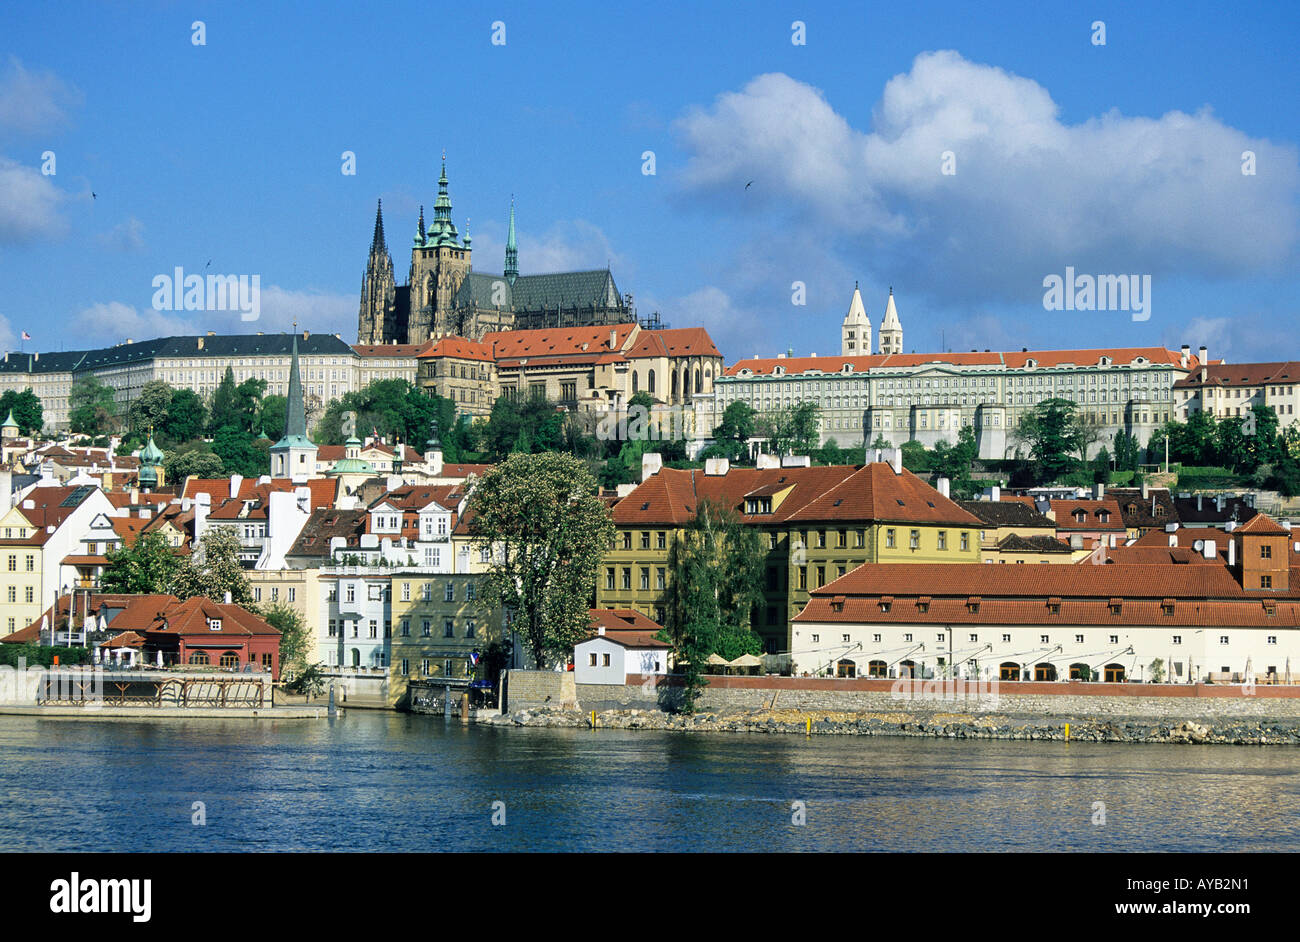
pixel 378 289
pixel 512 248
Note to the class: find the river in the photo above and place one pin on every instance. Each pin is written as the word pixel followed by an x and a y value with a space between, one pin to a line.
pixel 386 781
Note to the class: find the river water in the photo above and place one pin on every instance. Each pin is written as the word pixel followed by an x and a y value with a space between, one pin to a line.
pixel 386 781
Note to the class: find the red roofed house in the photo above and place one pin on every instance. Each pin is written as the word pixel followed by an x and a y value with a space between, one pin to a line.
pixel 624 643
pixel 1145 612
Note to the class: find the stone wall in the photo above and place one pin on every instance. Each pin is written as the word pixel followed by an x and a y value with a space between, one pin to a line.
pixel 526 690
pixel 740 694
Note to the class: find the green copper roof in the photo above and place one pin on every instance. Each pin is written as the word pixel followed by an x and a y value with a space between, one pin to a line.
pixel 151 454
pixel 512 248
pixel 9 422
pixel 351 466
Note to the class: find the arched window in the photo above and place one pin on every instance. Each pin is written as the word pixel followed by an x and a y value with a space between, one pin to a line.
pixel 650 382
pixel 674 384
pixel 1114 673
pixel 1009 670
pixel 634 383
pixel 846 668
pixel 907 669
pixel 698 388
pixel 356 657
pixel 1077 671
pixel 1044 672
pixel 877 669
pixel 199 657
pixel 229 659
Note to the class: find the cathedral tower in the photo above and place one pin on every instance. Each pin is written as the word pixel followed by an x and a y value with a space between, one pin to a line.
pixel 439 263
pixel 891 330
pixel 512 249
pixel 378 290
pixel 855 333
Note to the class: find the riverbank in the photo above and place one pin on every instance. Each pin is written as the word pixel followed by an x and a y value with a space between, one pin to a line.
pixel 166 712
pixel 994 726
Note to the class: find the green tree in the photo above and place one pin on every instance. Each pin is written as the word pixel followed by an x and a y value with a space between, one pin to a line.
pixel 1054 435
pixel 149 409
pixel 214 569
pixel 1101 467
pixel 295 638
pixel 1260 431
pixel 1127 451
pixel 793 430
pixel 92 407
pixel 146 567
pixel 548 532
pixel 26 408
pixel 186 418
pixel 717 565
pixel 197 460
pixel 271 415
pixel 739 424
pixel 239 454
pixel 225 411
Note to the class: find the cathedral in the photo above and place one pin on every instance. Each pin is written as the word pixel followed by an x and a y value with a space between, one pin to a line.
pixel 855 332
pixel 444 296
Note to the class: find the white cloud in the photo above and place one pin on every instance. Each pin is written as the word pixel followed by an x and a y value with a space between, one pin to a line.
pixel 8 336
pixel 1031 194
pixel 316 311
pixel 34 102
pixel 734 328
pixel 126 236
pixel 113 322
pixel 29 205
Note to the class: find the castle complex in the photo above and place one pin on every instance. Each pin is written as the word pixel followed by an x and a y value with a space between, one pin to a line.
pixel 445 297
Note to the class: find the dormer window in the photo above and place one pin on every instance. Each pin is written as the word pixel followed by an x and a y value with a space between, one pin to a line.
pixel 1166 606
pixel 1116 606
pixel 214 624
pixel 886 603
pixel 973 604
pixel 1054 606
pixel 1104 516
pixel 1079 516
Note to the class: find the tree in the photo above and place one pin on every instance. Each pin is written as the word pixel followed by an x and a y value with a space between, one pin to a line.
pixel 739 424
pixel 26 408
pixel 239 454
pixel 295 638
pixel 793 430
pixel 1054 435
pixel 146 567
pixel 92 407
pixel 1101 467
pixel 248 402
pixel 198 461
pixel 186 417
pixel 271 416
pixel 547 530
pixel 717 566
pixel 224 411
pixel 214 569
pixel 149 409
pixel 1126 451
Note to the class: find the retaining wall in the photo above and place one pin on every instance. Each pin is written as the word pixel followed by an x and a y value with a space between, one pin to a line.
pixel 739 694
pixel 526 690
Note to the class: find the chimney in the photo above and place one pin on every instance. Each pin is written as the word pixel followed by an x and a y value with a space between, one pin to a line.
pixel 1173 539
pixel 235 481
pixel 306 334
pixel 613 340
pixel 1204 358
pixel 200 339
pixel 995 493
pixel 600 630
pixel 212 333
pixel 1219 502
pixel 942 486
pixel 716 467
pixel 1210 551
pixel 896 460
pixel 1232 552
pixel 1098 491
pixel 227 598
pixel 764 460
pixel 1146 490
pixel 652 463
pixel 1198 501
pixel 1185 355
pixel 1230 525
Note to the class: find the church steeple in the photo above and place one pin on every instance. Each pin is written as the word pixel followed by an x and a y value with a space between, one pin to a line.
pixel 855 332
pixel 419 228
pixel 443 230
pixel 512 248
pixel 294 455
pixel 891 329
pixel 378 243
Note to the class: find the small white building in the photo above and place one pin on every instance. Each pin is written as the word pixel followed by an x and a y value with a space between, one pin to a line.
pixel 624 644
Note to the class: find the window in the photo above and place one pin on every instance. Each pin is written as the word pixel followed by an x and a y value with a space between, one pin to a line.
pixel 1223 639
pixel 351 593
pixel 1114 639
pixel 943 539
pixel 334 628
pixel 1044 639
pixel 406 592
pixel 816 639
pixel 907 637
pixel 469 628
pixel 406 627
pixel 214 624
pixel 1266 582
pixel 31 563
pixel 660 578
pixel 661 540
pixel 1272 639
pixel 471 593
pixel 821 576
pixel 609 578
pixel 627 578
pixel 1078 639
pixel 914 539
pixel 593 659
pixel 448 628
pixel 875 638
pixel 426 628
pixel 645 539
pixel 965 542
pixel 627 539
pixel 1006 639
pixel 406 667
pixel 27 594
pixel 889 538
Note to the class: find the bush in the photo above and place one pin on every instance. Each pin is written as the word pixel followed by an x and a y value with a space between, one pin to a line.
pixel 35 654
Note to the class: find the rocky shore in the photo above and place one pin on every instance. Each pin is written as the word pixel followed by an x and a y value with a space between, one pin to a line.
pixel 1230 731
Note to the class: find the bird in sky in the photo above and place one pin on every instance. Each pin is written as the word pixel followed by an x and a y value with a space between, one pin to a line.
pixel 749 184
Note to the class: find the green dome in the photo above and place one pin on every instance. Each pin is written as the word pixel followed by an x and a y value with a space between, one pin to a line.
pixel 151 453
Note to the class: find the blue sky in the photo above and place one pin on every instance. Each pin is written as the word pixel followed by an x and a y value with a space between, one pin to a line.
pixel 1123 158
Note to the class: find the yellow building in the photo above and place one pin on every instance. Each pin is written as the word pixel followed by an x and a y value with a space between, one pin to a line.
pixel 439 626
pixel 817 524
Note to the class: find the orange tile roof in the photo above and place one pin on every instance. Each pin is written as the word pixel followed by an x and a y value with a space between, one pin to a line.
pixel 556 341
pixel 1065 511
pixel 816 494
pixel 1243 374
pixel 674 342
pixel 833 363
pixel 458 348
pixel 388 349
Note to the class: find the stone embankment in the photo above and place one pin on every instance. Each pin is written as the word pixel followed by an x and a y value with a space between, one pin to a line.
pixel 1226 730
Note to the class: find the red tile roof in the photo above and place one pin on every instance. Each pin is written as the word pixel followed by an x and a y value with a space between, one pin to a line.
pixel 388 349
pixel 833 363
pixel 556 341
pixel 1243 374
pixel 674 342
pixel 458 348
pixel 1065 511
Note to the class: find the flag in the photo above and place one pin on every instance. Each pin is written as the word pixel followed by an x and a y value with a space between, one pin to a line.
pixel 26 335
pixel 473 658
